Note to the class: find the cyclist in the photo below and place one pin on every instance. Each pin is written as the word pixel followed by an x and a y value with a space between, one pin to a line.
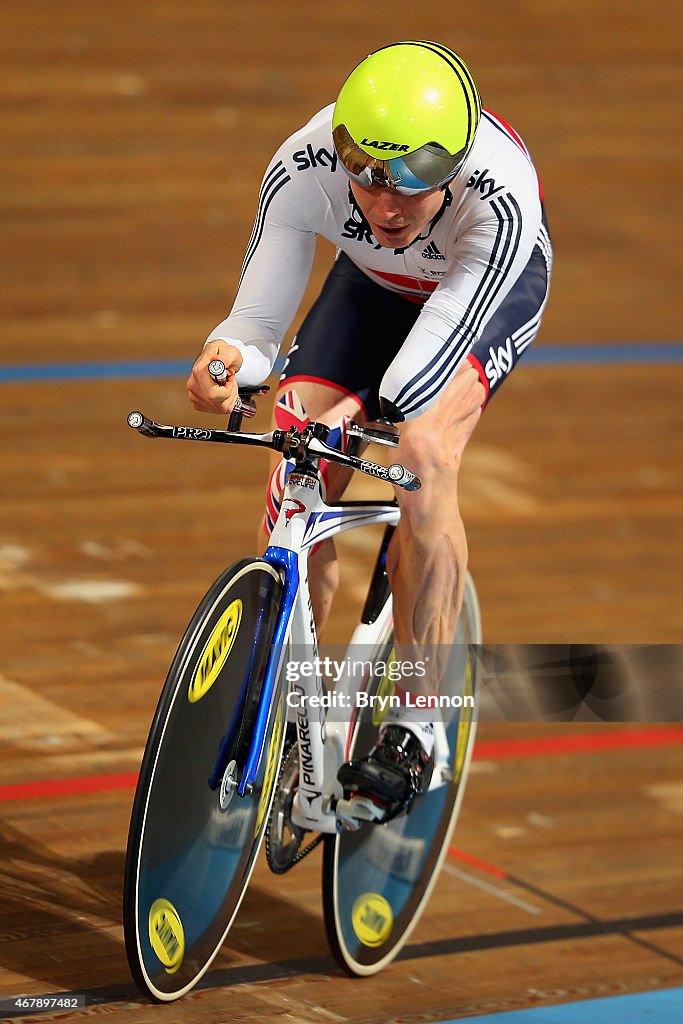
pixel 439 284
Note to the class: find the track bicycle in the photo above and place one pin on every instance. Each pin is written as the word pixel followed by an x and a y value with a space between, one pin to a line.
pixel 221 767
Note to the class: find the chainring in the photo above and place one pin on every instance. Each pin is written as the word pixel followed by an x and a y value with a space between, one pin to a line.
pixel 283 837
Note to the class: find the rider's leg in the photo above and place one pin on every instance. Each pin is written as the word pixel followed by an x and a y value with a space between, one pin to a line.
pixel 427 558
pixel 298 403
pixel 426 563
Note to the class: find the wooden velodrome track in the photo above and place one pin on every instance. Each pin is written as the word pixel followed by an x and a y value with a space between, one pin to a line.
pixel 134 138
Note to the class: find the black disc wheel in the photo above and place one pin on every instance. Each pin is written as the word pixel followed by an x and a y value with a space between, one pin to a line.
pixel 193 838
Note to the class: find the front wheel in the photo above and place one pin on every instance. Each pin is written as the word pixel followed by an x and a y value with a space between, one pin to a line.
pixel 376 881
pixel 193 839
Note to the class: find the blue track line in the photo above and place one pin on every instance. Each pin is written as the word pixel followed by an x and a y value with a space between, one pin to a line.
pixel 660 1007
pixel 96 371
pixel 549 355
pixel 622 353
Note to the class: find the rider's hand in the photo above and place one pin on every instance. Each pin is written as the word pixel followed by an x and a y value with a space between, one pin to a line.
pixel 204 393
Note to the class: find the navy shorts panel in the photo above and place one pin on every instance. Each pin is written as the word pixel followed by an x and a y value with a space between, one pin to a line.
pixel 355 328
pixel 351 334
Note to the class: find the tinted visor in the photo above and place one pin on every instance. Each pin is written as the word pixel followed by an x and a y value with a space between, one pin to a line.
pixel 429 167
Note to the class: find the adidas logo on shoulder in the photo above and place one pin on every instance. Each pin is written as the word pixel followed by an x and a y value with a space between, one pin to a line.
pixel 432 253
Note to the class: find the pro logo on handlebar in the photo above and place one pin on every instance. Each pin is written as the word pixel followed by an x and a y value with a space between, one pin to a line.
pixel 216 651
pixel 167 935
pixel 372 919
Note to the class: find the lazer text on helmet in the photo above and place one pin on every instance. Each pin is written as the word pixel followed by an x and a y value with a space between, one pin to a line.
pixel 393 146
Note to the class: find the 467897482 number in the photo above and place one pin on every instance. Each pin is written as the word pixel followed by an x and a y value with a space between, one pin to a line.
pixel 36 1004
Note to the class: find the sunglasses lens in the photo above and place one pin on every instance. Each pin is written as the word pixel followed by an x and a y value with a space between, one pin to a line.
pixel 428 168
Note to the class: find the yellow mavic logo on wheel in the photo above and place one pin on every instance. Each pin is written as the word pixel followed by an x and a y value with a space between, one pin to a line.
pixel 216 651
pixel 372 919
pixel 166 935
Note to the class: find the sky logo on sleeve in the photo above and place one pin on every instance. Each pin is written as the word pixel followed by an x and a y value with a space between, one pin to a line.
pixel 480 183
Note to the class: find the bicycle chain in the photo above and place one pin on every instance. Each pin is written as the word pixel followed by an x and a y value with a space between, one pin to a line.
pixel 299 856
pixel 274 866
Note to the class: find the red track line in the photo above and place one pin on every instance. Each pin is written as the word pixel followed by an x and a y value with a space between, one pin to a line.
pixel 583 743
pixel 487 750
pixel 477 862
pixel 68 787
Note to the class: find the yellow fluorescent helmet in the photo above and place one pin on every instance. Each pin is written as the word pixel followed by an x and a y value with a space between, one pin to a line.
pixel 406 117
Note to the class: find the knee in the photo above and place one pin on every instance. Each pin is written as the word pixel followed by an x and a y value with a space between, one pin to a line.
pixel 438 437
pixel 424 450
pixel 433 511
